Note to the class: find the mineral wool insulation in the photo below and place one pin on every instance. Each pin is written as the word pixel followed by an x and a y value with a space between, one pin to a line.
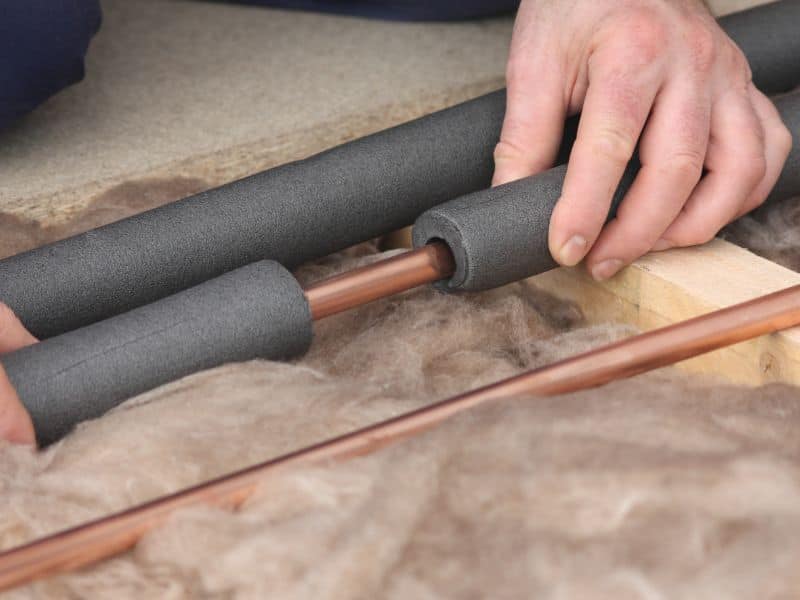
pixel 662 486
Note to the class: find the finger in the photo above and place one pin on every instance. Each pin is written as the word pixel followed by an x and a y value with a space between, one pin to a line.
pixel 736 165
pixel 672 152
pixel 777 146
pixel 15 423
pixel 618 100
pixel 13 334
pixel 534 121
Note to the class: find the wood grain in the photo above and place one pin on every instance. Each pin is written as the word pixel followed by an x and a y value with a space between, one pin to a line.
pixel 666 287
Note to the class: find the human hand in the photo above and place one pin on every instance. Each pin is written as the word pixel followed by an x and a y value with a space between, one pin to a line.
pixel 15 423
pixel 658 72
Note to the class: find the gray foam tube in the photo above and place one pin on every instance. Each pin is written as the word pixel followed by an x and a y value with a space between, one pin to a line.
pixel 306 209
pixel 769 35
pixel 290 214
pixel 257 311
pixel 499 235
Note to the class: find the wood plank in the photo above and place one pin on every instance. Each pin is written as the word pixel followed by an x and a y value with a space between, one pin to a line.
pixel 671 286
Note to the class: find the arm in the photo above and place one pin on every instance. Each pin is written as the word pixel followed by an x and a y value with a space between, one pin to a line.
pixel 657 73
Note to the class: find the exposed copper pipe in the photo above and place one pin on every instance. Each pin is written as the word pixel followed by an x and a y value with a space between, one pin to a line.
pixel 102 538
pixel 379 280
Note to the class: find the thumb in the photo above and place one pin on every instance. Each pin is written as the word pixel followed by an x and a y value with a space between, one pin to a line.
pixel 15 423
pixel 13 334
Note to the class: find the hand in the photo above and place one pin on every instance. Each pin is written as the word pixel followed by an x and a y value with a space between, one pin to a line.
pixel 15 423
pixel 658 72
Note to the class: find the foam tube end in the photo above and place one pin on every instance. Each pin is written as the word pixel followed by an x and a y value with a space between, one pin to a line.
pixel 256 311
pixel 467 226
pixel 499 235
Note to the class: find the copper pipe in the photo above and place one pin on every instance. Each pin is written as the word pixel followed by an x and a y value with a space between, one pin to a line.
pixel 102 538
pixel 381 279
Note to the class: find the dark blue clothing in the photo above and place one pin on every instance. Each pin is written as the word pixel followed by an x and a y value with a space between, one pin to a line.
pixel 43 43
pixel 400 10
pixel 42 47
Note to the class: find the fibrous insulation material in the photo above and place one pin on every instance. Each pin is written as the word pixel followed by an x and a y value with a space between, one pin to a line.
pixel 664 486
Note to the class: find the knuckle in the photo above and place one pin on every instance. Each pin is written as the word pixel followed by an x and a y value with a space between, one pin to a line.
pixel 613 144
pixel 748 164
pixel 739 66
pixel 760 168
pixel 506 150
pixel 626 107
pixel 743 66
pixel 645 35
pixel 687 166
pixel 638 245
pixel 702 44
pixel 783 138
pixel 755 169
pixel 630 235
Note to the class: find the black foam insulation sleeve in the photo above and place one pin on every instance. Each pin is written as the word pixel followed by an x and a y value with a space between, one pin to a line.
pixel 256 311
pixel 769 35
pixel 291 214
pixel 307 209
pixel 499 235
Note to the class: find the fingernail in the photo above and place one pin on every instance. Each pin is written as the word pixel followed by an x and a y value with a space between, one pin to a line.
pixel 573 251
pixel 606 269
pixel 662 244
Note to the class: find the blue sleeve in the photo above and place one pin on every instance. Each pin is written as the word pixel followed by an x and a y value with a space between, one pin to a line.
pixel 402 10
pixel 42 47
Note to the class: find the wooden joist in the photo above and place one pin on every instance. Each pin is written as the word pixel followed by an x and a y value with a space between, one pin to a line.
pixel 671 286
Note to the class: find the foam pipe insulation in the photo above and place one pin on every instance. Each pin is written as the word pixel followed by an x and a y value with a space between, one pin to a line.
pixel 291 214
pixel 500 235
pixel 256 311
pixel 307 209
pixel 769 35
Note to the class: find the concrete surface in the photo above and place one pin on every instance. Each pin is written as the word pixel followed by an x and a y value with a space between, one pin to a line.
pixel 208 92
